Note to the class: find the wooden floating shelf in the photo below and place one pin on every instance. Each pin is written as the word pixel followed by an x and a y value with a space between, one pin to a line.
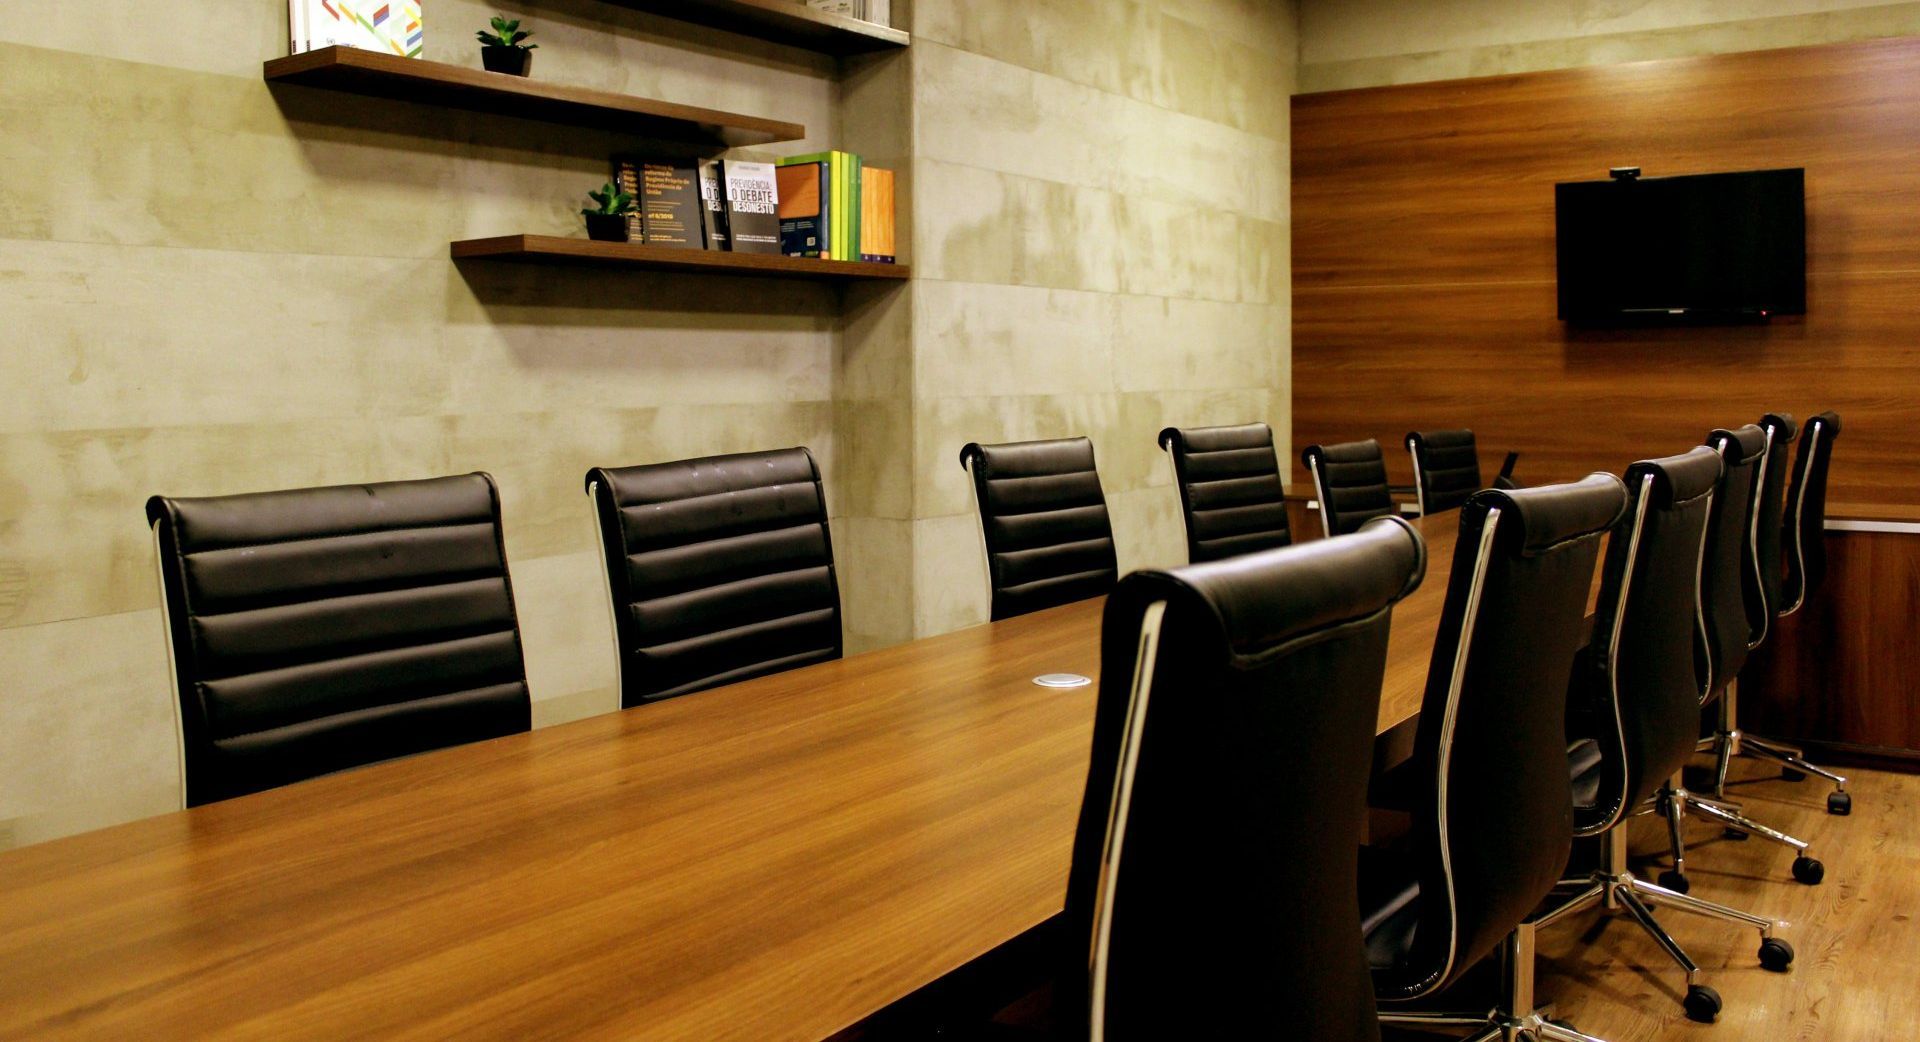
pixel 453 86
pixel 782 21
pixel 554 249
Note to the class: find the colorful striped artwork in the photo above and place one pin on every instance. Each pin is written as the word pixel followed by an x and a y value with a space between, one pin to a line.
pixel 394 26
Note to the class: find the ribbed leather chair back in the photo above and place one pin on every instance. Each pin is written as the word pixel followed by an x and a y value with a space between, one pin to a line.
pixel 1044 518
pixel 1769 516
pixel 720 569
pixel 326 628
pixel 1804 530
pixel 1446 468
pixel 1634 689
pixel 1214 886
pixel 1495 823
pixel 1728 626
pixel 1350 480
pixel 1230 490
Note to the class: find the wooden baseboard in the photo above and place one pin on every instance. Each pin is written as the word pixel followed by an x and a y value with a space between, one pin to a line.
pixel 1872 757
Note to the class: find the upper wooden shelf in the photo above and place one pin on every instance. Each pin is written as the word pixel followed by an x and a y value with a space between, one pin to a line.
pixel 782 21
pixel 556 249
pixel 453 86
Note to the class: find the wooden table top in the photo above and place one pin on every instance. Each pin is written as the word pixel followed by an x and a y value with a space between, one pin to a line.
pixel 773 860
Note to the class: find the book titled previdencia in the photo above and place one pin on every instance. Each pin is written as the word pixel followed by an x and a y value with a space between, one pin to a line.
pixel 392 26
pixel 753 218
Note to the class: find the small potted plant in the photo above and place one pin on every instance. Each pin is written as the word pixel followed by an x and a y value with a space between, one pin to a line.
pixel 607 221
pixel 501 49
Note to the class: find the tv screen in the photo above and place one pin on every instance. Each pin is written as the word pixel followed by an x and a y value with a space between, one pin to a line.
pixel 1729 247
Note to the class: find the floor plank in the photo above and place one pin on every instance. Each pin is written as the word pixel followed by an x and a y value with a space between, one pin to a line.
pixel 1856 975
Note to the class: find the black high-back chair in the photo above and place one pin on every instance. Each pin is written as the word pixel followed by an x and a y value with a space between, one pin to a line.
pixel 719 569
pixel 1730 627
pixel 1212 892
pixel 1494 820
pixel 1350 481
pixel 1787 526
pixel 1230 490
pixel 319 629
pixel 1044 519
pixel 1634 704
pixel 1804 529
pixel 1446 468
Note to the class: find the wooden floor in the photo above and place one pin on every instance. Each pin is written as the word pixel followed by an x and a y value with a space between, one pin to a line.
pixel 1856 977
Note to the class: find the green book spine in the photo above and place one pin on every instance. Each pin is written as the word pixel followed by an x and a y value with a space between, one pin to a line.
pixel 854 166
pixel 839 206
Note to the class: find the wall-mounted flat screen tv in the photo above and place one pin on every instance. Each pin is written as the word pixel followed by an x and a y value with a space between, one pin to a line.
pixel 1702 247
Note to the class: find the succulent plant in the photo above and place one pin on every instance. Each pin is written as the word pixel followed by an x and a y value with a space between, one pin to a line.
pixel 610 200
pixel 506 34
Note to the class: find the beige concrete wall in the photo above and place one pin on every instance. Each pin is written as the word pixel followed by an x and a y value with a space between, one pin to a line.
pixel 1367 43
pixel 210 286
pixel 1101 245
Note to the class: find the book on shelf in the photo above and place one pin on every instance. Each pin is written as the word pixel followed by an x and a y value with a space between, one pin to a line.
pixel 713 204
pixel 805 215
pixel 669 200
pixel 876 215
pixel 626 177
pixel 877 11
pixel 392 26
pixel 753 212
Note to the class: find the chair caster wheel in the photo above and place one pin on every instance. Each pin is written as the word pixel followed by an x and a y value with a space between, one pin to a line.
pixel 1775 955
pixel 1840 803
pixel 1674 881
pixel 1702 1003
pixel 1809 870
pixel 1735 834
pixel 1789 774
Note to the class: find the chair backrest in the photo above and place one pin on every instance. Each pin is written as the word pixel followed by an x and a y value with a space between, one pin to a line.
pixel 1769 515
pixel 1804 531
pixel 720 569
pixel 1634 688
pixel 1350 481
pixel 1728 626
pixel 1214 885
pixel 1446 468
pixel 1044 518
pixel 1230 490
pixel 324 628
pixel 1495 826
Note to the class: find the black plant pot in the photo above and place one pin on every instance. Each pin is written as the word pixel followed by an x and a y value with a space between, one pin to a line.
pixel 514 61
pixel 607 227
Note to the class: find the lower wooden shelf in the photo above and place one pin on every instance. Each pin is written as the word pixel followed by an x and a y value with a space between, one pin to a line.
pixel 554 249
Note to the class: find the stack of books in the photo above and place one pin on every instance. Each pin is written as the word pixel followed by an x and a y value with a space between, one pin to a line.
pixel 393 26
pixel 877 11
pixel 828 205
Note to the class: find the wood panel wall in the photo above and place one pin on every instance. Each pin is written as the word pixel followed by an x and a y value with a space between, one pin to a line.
pixel 1424 281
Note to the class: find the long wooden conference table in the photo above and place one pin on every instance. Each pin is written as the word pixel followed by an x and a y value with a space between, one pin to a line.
pixel 773 860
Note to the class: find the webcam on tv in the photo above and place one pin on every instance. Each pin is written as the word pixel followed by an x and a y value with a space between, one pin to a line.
pixel 1624 173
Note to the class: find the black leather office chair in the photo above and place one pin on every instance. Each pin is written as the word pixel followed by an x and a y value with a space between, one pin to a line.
pixel 1212 892
pixel 1493 818
pixel 1044 518
pixel 1350 481
pixel 1729 628
pixel 324 628
pixel 1634 704
pixel 1230 490
pixel 1446 469
pixel 719 569
pixel 1780 568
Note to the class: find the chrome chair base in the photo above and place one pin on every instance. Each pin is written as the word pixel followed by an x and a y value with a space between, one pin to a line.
pixel 1535 1024
pixel 1729 741
pixel 1617 890
pixel 1675 802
